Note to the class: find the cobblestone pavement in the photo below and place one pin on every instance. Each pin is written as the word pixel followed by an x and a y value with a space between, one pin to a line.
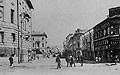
pixel 47 66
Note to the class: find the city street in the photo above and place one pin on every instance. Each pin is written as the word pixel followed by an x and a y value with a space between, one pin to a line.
pixel 47 66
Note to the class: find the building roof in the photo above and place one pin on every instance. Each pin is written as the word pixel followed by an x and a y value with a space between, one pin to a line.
pixel 29 4
pixel 101 23
pixel 36 34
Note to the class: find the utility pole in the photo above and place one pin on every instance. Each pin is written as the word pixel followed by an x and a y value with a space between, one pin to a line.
pixel 18 30
pixel 21 53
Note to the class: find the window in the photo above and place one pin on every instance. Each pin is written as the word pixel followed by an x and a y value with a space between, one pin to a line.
pixel 78 45
pixel 108 31
pixel 111 32
pixel 42 38
pixel 119 29
pixel 1 13
pixel 25 24
pixel 20 3
pixel 2 37
pixel 12 16
pixel 42 44
pixel 13 35
pixel 33 38
pixel 38 44
pixel 33 44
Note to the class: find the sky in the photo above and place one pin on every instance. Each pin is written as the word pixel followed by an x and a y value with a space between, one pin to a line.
pixel 58 18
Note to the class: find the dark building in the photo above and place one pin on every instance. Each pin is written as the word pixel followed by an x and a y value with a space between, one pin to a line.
pixel 88 46
pixel 106 36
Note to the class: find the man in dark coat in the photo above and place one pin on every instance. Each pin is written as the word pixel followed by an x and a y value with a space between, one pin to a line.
pixel 67 60
pixel 58 61
pixel 81 57
pixel 72 61
pixel 11 60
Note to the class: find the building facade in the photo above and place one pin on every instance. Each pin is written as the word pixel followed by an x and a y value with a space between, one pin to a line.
pixel 15 27
pixel 106 36
pixel 74 43
pixel 102 41
pixel 88 45
pixel 39 42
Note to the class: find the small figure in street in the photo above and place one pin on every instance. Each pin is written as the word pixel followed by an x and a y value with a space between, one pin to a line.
pixel 38 57
pixel 11 60
pixel 114 59
pixel 58 61
pixel 67 60
pixel 78 59
pixel 72 61
pixel 81 57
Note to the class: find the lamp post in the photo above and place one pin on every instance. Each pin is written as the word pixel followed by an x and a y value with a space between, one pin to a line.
pixel 18 30
pixel 21 54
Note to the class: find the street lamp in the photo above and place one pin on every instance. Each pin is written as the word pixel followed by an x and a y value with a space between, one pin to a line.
pixel 21 53
pixel 18 30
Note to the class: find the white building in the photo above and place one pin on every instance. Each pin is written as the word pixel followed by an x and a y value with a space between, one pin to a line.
pixel 15 15
pixel 39 41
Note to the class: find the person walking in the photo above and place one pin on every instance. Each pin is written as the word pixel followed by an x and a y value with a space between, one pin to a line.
pixel 58 61
pixel 11 60
pixel 81 57
pixel 67 60
pixel 72 61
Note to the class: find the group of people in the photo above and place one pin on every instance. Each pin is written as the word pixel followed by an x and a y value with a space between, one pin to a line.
pixel 70 60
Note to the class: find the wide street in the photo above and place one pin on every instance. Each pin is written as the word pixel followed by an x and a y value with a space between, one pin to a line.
pixel 47 66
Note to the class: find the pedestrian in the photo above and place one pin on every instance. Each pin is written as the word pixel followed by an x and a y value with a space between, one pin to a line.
pixel 72 61
pixel 78 59
pixel 67 60
pixel 11 60
pixel 38 57
pixel 114 59
pixel 81 57
pixel 58 61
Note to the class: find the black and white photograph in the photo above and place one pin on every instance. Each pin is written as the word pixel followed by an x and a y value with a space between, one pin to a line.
pixel 59 37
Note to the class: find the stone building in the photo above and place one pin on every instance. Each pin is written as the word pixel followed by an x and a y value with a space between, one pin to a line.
pixel 39 42
pixel 88 45
pixel 73 42
pixel 15 16
pixel 107 36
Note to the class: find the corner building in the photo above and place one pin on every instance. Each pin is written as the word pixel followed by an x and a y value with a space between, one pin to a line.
pixel 14 35
pixel 107 37
pixel 39 43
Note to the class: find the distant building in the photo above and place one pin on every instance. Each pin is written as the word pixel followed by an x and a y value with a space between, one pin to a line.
pixel 39 42
pixel 73 43
pixel 88 45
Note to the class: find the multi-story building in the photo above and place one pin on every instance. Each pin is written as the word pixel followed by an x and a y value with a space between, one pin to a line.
pixel 67 45
pixel 39 42
pixel 101 39
pixel 106 36
pixel 15 27
pixel 87 44
pixel 73 43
